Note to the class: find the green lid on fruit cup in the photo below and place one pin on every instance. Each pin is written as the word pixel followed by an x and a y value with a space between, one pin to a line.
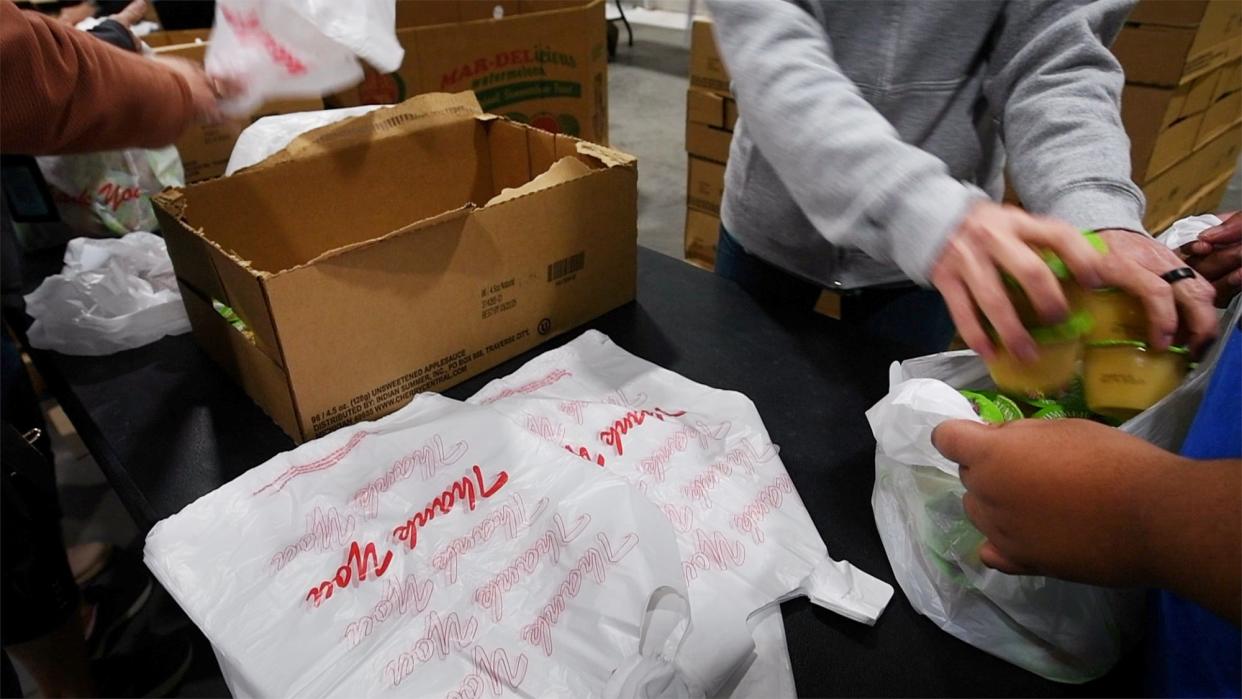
pixel 1057 265
pixel 1078 323
pixel 1137 344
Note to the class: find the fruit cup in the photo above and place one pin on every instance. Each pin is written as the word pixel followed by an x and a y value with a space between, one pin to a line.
pixel 1122 378
pixel 1060 347
pixel 1117 316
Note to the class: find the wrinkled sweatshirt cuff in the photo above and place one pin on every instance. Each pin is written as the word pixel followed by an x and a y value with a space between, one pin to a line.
pixel 922 221
pixel 1099 207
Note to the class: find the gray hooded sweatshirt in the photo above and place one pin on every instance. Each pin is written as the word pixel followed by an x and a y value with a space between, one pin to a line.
pixel 869 127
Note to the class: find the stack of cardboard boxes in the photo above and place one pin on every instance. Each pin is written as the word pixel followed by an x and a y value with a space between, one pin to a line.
pixel 1182 103
pixel 710 115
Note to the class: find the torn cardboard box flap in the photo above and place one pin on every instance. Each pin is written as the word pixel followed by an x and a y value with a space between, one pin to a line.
pixel 401 251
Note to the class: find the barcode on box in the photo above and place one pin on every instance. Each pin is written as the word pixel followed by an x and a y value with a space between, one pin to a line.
pixel 566 267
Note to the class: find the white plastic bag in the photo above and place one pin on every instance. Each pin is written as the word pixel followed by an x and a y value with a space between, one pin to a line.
pixel 113 294
pixel 1187 230
pixel 1060 630
pixel 439 551
pixel 299 48
pixel 703 456
pixel 109 192
pixel 272 133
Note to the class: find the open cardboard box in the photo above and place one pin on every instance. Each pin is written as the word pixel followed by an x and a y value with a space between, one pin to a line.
pixel 401 251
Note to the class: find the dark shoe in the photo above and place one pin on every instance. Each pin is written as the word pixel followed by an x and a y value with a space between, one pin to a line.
pixel 113 599
pixel 154 669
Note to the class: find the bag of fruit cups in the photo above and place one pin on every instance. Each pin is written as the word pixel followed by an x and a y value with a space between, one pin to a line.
pixel 1106 331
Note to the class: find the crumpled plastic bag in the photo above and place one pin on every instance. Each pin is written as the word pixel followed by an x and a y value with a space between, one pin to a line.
pixel 703 457
pixel 113 294
pixel 109 192
pixel 298 48
pixel 1187 230
pixel 272 133
pixel 438 551
pixel 1064 631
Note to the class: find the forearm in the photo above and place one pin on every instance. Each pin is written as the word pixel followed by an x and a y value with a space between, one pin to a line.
pixel 840 159
pixel 1194 532
pixel 66 91
pixel 1057 89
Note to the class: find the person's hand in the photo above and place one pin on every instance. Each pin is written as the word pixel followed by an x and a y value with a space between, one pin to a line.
pixel 1217 256
pixel 1066 498
pixel 132 14
pixel 76 13
pixel 203 93
pixel 995 239
pixel 1135 263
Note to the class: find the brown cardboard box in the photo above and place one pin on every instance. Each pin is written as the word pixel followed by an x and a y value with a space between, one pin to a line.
pixel 703 107
pixel 1168 192
pixel 704 141
pixel 205 148
pixel 1151 156
pixel 1222 22
pixel 1230 80
pixel 1186 13
pixel 707 70
pixel 1208 199
pixel 544 63
pixel 1205 201
pixel 1169 56
pixel 702 232
pixel 400 251
pixel 1173 13
pixel 1226 112
pixel 730 114
pixel 711 108
pixel 705 185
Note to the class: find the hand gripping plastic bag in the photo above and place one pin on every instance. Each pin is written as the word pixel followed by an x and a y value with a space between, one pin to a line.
pixel 272 133
pixel 109 192
pixel 439 551
pixel 1064 631
pixel 299 48
pixel 703 456
pixel 1187 230
pixel 113 294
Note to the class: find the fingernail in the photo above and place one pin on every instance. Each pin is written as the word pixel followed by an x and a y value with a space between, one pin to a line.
pixel 1026 352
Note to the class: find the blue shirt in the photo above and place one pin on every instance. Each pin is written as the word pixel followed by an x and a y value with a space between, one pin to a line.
pixel 1192 652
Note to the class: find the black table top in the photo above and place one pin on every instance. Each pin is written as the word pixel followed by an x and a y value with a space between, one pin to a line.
pixel 167 426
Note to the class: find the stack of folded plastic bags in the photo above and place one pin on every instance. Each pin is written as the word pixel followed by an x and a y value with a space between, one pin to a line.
pixel 445 550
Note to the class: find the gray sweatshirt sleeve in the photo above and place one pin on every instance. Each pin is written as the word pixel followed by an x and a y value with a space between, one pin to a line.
pixel 1057 90
pixel 843 163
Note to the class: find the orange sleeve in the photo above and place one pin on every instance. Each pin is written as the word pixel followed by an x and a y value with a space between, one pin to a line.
pixel 64 91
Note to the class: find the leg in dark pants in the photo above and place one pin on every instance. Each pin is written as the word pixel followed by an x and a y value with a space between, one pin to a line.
pixel 909 316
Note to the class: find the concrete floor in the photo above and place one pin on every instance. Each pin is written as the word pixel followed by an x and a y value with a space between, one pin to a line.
pixel 647 118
